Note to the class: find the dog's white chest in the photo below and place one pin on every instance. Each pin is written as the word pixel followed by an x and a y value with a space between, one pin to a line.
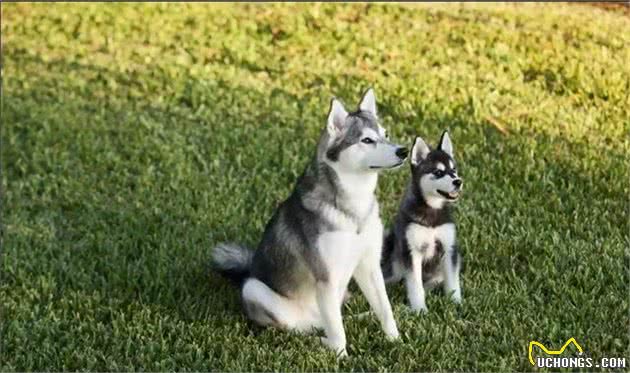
pixel 365 209
pixel 342 250
pixel 423 239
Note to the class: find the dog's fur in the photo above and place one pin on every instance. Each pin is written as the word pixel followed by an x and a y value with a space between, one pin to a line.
pixel 326 232
pixel 421 247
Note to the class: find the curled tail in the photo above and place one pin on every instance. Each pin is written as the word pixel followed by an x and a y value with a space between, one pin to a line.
pixel 232 262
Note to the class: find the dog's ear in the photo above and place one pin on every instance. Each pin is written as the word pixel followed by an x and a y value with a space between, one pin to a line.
pixel 368 102
pixel 445 144
pixel 419 151
pixel 336 117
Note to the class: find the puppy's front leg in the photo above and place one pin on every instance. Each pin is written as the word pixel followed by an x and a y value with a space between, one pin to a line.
pixel 330 310
pixel 450 267
pixel 413 281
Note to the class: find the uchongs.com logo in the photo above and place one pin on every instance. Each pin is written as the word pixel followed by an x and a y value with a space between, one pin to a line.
pixel 552 358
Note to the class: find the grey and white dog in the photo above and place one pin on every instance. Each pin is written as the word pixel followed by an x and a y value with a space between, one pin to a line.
pixel 421 247
pixel 328 231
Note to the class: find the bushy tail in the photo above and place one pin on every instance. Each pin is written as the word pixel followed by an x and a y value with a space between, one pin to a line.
pixel 232 262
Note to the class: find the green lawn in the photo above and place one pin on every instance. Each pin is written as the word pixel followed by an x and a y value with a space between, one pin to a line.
pixel 136 137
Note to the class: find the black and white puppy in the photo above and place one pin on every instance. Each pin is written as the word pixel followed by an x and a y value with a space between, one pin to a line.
pixel 421 248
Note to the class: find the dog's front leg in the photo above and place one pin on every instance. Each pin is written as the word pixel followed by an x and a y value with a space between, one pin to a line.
pixel 413 282
pixel 330 310
pixel 450 267
pixel 369 277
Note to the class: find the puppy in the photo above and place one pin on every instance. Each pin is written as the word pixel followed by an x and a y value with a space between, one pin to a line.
pixel 421 247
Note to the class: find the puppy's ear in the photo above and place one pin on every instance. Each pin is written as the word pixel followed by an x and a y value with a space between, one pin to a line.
pixel 336 117
pixel 368 102
pixel 445 144
pixel 419 151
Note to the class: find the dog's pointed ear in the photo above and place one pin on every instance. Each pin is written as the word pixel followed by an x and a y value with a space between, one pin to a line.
pixel 419 151
pixel 368 102
pixel 445 144
pixel 336 117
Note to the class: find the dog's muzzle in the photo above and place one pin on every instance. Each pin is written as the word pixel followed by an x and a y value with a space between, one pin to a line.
pixel 453 195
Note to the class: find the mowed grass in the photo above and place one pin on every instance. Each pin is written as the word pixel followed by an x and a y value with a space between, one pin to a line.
pixel 137 137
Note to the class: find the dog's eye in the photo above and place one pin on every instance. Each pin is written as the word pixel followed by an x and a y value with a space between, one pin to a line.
pixel 367 140
pixel 438 173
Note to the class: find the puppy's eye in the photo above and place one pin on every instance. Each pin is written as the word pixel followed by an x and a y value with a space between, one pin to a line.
pixel 438 173
pixel 367 140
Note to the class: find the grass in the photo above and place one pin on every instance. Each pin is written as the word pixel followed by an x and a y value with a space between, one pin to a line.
pixel 135 137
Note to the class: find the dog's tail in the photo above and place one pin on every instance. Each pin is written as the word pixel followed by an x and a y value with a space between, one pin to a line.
pixel 232 262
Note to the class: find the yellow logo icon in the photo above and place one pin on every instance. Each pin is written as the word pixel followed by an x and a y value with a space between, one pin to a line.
pixel 552 352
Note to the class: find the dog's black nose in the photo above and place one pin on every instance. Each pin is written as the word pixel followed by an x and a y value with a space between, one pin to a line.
pixel 458 182
pixel 402 153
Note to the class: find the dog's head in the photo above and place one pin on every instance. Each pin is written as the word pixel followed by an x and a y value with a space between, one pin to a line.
pixel 435 172
pixel 356 142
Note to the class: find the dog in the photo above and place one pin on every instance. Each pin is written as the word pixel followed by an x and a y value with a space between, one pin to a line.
pixel 421 247
pixel 326 232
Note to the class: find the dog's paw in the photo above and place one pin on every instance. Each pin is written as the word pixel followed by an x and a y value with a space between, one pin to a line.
pixel 338 346
pixel 390 329
pixel 420 309
pixel 456 297
pixel 392 334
